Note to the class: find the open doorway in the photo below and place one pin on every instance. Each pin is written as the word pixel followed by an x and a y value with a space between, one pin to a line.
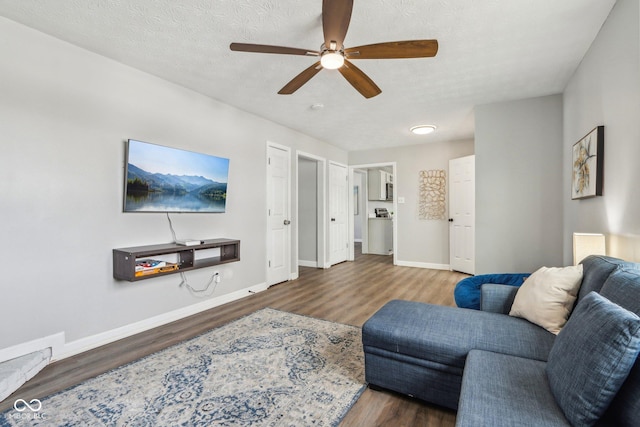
pixel 359 206
pixel 373 209
pixel 311 211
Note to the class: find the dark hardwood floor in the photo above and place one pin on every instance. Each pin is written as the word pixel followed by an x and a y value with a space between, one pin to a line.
pixel 346 293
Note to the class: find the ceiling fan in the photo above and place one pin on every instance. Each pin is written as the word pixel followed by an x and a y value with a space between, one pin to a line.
pixel 336 15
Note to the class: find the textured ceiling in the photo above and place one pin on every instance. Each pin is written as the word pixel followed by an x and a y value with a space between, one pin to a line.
pixel 490 51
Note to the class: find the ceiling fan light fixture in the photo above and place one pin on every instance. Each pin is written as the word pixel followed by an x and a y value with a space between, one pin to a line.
pixel 336 16
pixel 331 60
pixel 423 129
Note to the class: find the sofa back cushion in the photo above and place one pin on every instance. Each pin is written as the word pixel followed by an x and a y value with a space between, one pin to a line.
pixel 623 288
pixel 592 357
pixel 596 269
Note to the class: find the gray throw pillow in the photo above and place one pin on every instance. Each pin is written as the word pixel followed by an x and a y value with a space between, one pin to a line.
pixel 591 358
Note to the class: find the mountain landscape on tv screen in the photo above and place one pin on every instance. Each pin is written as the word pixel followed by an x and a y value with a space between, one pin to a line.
pixel 148 189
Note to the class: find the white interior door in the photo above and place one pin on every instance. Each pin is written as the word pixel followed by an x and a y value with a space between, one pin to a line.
pixel 278 214
pixel 338 213
pixel 462 214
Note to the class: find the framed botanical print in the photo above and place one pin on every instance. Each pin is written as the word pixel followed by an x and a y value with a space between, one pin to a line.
pixel 588 165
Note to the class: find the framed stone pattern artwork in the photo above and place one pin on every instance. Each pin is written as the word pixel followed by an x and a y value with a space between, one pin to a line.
pixel 432 189
pixel 587 167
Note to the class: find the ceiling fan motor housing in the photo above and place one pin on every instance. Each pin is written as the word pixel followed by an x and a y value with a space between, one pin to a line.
pixel 331 58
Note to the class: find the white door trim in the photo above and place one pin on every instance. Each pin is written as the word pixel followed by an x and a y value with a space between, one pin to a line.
pixel 395 207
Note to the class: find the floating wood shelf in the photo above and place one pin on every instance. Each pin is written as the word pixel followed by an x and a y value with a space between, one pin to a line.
pixel 124 259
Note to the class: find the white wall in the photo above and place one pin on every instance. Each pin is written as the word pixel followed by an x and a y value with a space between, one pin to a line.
pixel 605 90
pixel 64 116
pixel 419 242
pixel 519 186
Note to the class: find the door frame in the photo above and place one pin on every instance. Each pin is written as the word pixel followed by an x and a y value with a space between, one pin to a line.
pixel 270 144
pixel 321 209
pixel 351 254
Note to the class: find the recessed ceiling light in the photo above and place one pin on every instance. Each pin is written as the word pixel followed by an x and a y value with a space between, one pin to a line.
pixel 423 129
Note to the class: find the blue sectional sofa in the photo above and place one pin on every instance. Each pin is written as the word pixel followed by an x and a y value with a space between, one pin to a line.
pixel 496 369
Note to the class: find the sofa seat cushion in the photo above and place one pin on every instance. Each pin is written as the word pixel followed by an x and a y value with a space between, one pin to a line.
pixel 445 335
pixel 502 390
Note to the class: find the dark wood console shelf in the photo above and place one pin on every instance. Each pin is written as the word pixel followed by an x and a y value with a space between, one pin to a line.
pixel 124 259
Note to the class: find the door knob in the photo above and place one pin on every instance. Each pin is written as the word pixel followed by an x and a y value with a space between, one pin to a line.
pixel 287 222
pixel 333 219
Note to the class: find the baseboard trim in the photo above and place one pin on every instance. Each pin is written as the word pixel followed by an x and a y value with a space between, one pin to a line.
pixel 303 263
pixel 95 341
pixel 55 342
pixel 423 265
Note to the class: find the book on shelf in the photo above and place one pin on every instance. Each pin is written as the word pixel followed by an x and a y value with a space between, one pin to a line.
pixel 161 267
pixel 149 264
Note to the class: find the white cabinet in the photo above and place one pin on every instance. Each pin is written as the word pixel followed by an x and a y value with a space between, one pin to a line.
pixel 380 236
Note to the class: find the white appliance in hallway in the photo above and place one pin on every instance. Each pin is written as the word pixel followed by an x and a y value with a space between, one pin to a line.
pixel 381 233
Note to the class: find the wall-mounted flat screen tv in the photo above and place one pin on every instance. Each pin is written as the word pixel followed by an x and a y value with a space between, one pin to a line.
pixel 164 179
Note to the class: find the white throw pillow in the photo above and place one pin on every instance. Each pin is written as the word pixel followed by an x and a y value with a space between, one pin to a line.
pixel 546 298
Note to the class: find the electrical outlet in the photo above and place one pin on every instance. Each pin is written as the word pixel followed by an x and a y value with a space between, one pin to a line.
pixel 400 199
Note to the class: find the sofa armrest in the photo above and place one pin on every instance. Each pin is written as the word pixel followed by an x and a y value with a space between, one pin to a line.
pixel 497 298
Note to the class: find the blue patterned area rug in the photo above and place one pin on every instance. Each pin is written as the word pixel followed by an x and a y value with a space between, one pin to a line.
pixel 270 368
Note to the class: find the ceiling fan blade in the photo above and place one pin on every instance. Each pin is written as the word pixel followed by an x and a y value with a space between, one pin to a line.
pixel 359 80
pixel 263 48
pixel 393 50
pixel 300 79
pixel 336 15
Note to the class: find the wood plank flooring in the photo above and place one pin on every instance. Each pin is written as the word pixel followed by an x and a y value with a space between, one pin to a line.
pixel 346 293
